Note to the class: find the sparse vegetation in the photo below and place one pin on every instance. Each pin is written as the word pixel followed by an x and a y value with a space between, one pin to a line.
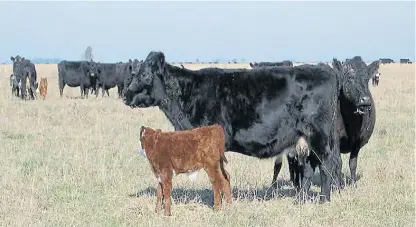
pixel 74 162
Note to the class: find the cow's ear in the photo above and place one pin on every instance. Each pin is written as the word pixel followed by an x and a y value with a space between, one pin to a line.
pixel 12 58
pixel 336 65
pixel 371 70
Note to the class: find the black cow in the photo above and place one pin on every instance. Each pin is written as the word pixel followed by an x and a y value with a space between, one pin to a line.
pixel 355 123
pixel 14 85
pixel 386 61
pixel 264 111
pixel 131 70
pixel 262 64
pixel 25 76
pixel 81 74
pixel 111 75
pixel 405 61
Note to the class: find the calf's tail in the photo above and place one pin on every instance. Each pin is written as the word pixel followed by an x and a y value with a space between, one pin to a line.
pixel 223 158
pixel 223 171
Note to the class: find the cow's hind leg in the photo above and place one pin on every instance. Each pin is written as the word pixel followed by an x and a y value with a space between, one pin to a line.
pixel 302 180
pixel 277 167
pixel 330 169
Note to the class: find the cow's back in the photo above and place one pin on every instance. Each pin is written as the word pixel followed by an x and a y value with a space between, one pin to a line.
pixel 71 72
pixel 108 74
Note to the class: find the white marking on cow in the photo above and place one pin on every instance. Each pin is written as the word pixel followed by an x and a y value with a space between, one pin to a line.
pixel 192 175
pixel 159 179
pixel 141 151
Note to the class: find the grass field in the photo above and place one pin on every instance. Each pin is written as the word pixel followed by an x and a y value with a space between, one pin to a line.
pixel 74 162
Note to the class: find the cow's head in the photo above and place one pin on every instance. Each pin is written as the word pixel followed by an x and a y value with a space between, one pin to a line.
pixel 355 76
pixel 134 66
pixel 147 87
pixel 16 64
pixel 92 69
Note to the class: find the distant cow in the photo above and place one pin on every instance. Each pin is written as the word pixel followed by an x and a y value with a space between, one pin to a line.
pixel 25 76
pixel 264 111
pixel 355 123
pixel 111 75
pixel 405 61
pixel 386 60
pixel 186 151
pixel 262 64
pixel 81 74
pixel 376 79
pixel 43 87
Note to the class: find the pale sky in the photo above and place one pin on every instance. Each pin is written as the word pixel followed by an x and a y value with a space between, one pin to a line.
pixel 185 31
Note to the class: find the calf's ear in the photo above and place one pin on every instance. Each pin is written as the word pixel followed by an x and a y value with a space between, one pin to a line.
pixel 141 131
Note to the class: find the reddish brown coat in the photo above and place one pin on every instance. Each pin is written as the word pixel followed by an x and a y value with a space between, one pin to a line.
pixel 183 152
pixel 43 87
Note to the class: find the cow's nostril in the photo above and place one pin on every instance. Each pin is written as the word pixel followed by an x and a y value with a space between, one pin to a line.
pixel 365 99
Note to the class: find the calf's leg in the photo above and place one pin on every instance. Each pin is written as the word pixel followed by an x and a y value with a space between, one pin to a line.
pixel 166 191
pixel 159 198
pixel 215 176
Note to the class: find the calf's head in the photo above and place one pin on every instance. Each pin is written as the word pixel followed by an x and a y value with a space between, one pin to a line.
pixel 147 87
pixel 43 82
pixel 148 137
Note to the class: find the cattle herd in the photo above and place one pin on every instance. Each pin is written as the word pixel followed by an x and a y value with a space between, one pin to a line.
pixel 309 113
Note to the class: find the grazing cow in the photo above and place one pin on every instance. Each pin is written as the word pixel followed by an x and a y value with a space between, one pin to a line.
pixel 25 76
pixel 405 61
pixel 386 61
pixel 262 64
pixel 355 123
pixel 263 111
pixel 186 151
pixel 43 87
pixel 81 74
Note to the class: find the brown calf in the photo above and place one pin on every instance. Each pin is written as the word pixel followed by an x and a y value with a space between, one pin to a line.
pixel 43 87
pixel 185 152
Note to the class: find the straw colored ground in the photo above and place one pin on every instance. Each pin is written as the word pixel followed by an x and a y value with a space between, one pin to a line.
pixel 73 162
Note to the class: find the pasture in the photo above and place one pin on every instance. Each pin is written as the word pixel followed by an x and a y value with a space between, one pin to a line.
pixel 74 162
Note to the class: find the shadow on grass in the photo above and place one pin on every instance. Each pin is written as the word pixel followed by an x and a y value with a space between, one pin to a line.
pixel 205 196
pixel 266 193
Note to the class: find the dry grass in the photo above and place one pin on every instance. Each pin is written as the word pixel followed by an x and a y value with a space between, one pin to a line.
pixel 73 162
